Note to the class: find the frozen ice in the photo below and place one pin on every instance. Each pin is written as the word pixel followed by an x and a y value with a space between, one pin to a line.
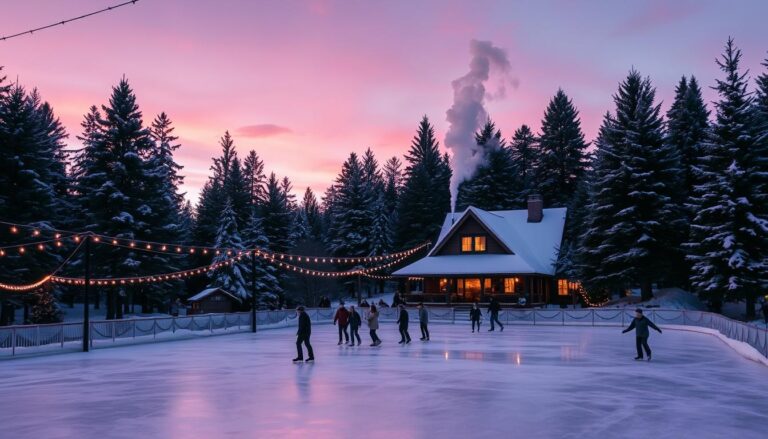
pixel 570 382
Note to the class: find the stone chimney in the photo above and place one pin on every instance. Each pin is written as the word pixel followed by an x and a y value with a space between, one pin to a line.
pixel 535 208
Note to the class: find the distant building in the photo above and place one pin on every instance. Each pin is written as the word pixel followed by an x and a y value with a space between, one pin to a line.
pixel 213 300
pixel 508 254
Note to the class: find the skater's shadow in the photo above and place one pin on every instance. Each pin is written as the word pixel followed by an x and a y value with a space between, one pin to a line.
pixel 303 381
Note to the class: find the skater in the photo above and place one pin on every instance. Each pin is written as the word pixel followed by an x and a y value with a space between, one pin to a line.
pixel 373 325
pixel 474 315
pixel 354 326
pixel 640 324
pixel 423 322
pixel 302 336
pixel 402 322
pixel 493 310
pixel 342 317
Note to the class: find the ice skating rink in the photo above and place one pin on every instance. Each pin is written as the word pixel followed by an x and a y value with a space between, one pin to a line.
pixel 542 382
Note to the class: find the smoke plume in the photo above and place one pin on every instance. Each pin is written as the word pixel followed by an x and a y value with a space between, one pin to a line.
pixel 468 113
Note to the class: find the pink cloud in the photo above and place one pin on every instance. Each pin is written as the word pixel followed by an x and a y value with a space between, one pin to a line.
pixel 263 130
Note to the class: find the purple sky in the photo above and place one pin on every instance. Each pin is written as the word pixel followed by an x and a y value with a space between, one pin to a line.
pixel 306 82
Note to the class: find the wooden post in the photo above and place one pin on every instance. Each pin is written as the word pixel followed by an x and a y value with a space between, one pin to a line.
pixel 253 291
pixel 86 304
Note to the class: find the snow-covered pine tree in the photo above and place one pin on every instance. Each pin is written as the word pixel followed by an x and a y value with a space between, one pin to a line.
pixel 381 229
pixel 312 217
pixel 729 234
pixel 425 196
pixel 631 232
pixel 351 220
pixel 562 157
pixel 213 194
pixel 33 185
pixel 268 291
pixel 494 184
pixel 524 151
pixel 231 277
pixel 112 190
pixel 277 217
pixel 44 308
pixel 393 185
pixel 255 179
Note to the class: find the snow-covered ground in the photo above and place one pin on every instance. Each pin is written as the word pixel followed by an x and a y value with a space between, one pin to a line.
pixel 569 382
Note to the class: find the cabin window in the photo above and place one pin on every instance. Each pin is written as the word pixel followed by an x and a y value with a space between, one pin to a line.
pixel 562 287
pixel 445 285
pixel 509 285
pixel 479 243
pixel 473 244
pixel 487 284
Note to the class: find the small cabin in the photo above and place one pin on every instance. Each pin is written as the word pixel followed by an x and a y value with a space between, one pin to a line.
pixel 214 300
pixel 508 255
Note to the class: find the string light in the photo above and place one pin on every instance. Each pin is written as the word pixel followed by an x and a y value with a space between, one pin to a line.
pixel 25 287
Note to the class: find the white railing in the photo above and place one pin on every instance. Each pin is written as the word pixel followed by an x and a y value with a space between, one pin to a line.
pixel 33 339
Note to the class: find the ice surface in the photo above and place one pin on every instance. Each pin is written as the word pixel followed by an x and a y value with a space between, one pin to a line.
pixel 570 382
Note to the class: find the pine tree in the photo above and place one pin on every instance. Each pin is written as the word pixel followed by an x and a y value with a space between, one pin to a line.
pixel 562 151
pixel 310 211
pixel 237 190
pixel 352 212
pixel 493 186
pixel 426 196
pixel 44 308
pixel 255 180
pixel 729 235
pixel 112 188
pixel 277 217
pixel 231 276
pixel 262 273
pixel 632 223
pixel 524 150
pixel 687 130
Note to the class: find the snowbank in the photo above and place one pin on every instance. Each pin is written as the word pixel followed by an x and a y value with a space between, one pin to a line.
pixel 666 298
pixel 740 347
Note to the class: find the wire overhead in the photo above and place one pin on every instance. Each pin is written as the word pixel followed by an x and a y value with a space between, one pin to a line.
pixel 63 22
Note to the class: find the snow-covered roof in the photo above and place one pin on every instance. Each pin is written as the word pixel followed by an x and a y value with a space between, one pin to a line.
pixel 207 292
pixel 534 245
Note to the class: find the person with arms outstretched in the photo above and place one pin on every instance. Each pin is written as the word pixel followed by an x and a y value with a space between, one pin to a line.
pixel 640 324
pixel 302 336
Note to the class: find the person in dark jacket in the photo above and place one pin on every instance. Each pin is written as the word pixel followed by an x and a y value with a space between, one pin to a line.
pixel 342 318
pixel 302 336
pixel 474 316
pixel 402 322
pixel 355 321
pixel 493 309
pixel 423 322
pixel 640 324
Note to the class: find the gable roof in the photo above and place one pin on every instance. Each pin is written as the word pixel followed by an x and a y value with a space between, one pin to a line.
pixel 471 212
pixel 207 292
pixel 534 246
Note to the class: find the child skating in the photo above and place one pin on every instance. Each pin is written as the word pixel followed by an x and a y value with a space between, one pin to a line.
pixel 474 316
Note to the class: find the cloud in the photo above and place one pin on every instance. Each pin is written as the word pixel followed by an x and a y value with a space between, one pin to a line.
pixel 263 130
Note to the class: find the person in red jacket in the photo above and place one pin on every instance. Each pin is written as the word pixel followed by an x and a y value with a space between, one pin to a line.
pixel 342 318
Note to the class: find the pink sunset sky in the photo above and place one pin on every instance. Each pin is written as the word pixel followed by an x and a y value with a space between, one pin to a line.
pixel 305 83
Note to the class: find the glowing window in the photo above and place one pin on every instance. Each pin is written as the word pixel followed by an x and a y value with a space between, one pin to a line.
pixel 487 283
pixel 509 285
pixel 466 244
pixel 479 243
pixel 562 287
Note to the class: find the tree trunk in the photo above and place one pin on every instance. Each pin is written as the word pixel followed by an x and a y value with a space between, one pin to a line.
pixel 118 305
pixel 646 291
pixel 97 300
pixel 750 307
pixel 127 303
pixel 110 304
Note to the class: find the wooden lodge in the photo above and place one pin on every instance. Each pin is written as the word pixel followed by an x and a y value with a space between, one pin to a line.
pixel 509 255
pixel 213 300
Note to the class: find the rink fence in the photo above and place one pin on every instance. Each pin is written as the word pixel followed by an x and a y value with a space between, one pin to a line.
pixel 56 337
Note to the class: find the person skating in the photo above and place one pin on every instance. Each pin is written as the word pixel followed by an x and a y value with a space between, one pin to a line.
pixel 354 326
pixel 302 336
pixel 640 324
pixel 423 322
pixel 474 316
pixel 342 318
pixel 402 322
pixel 493 309
pixel 373 325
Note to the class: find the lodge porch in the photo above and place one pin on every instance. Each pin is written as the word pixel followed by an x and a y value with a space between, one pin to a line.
pixel 518 289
